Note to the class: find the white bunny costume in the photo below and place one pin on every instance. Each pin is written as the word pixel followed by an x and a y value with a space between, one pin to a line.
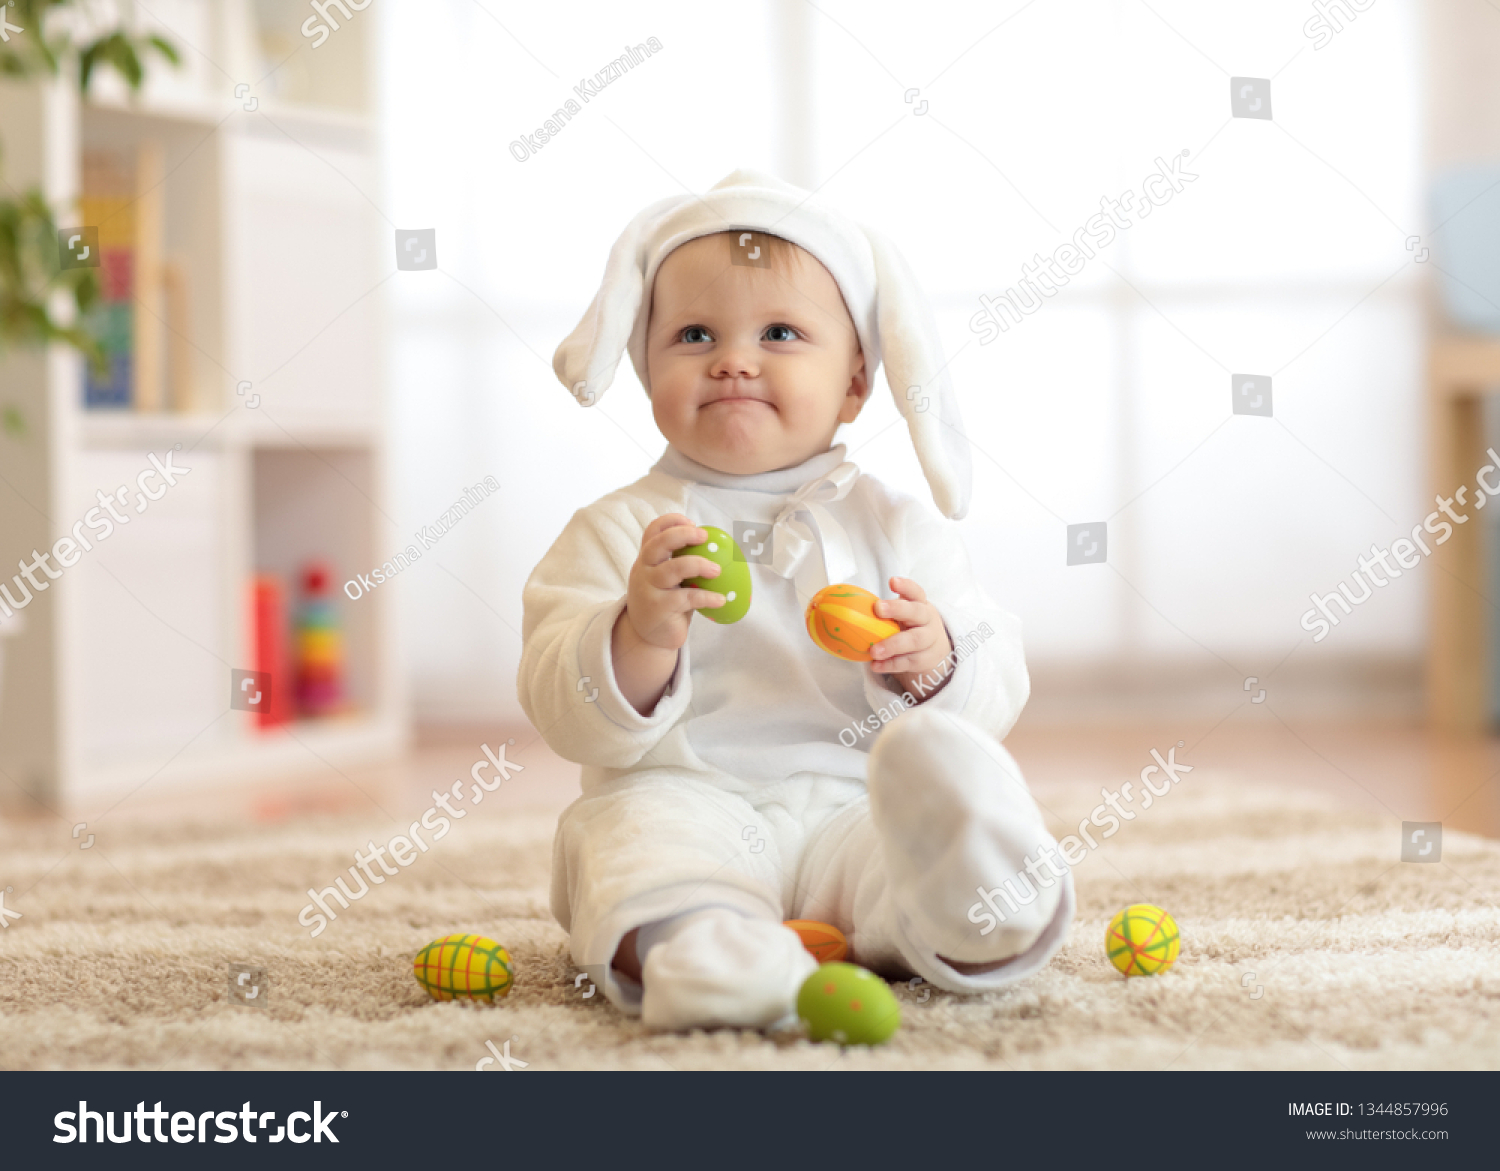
pixel 773 781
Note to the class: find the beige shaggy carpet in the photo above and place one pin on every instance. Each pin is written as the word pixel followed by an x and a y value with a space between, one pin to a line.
pixel 1306 944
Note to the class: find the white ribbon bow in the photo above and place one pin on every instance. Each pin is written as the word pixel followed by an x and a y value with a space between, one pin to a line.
pixel 795 541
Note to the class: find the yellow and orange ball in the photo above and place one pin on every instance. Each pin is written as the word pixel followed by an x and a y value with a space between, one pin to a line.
pixel 464 967
pixel 841 620
pixel 1142 940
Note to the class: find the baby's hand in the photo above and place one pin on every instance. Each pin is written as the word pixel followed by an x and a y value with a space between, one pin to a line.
pixel 657 606
pixel 923 642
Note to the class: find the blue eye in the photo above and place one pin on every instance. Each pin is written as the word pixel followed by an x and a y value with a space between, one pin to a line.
pixel 770 329
pixel 692 329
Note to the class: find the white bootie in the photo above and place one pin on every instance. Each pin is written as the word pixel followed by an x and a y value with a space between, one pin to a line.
pixel 716 967
pixel 954 815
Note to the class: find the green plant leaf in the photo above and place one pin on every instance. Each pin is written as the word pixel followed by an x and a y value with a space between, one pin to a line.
pixel 30 269
pixel 166 49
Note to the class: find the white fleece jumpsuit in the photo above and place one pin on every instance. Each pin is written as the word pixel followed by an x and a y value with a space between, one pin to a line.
pixel 753 784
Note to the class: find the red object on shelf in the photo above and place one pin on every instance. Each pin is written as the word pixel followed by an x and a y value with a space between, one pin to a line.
pixel 269 633
pixel 116 273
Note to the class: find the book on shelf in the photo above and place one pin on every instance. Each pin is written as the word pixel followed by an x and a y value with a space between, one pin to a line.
pixel 108 204
pixel 141 318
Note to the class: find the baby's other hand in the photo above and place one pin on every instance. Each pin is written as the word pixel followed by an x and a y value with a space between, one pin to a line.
pixel 657 606
pixel 923 642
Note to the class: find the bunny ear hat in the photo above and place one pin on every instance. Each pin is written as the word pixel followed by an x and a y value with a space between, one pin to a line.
pixel 891 316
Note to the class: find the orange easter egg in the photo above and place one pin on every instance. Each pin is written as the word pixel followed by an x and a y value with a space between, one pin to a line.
pixel 841 620
pixel 824 941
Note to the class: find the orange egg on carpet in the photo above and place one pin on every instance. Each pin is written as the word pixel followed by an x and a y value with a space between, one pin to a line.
pixel 825 942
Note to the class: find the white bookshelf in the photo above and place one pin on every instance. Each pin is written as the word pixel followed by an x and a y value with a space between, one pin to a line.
pixel 119 672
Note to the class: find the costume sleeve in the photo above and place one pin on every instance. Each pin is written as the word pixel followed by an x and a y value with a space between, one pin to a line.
pixel 990 684
pixel 566 682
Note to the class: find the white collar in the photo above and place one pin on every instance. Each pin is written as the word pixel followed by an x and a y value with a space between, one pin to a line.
pixel 778 483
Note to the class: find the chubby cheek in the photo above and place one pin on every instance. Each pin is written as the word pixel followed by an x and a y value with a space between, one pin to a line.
pixel 671 395
pixel 811 396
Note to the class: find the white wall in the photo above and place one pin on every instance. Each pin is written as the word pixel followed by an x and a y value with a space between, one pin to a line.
pixel 1285 257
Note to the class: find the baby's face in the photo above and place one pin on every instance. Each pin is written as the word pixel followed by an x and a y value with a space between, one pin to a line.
pixel 751 370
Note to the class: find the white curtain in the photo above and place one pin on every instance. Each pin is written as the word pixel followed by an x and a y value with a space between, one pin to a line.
pixel 1284 256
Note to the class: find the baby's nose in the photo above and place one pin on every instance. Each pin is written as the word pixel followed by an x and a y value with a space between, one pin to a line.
pixel 736 361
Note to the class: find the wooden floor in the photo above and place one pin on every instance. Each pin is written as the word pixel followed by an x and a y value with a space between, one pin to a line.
pixel 1398 769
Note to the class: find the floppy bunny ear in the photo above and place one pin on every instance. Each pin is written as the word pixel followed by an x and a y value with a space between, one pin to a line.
pixel 915 369
pixel 585 362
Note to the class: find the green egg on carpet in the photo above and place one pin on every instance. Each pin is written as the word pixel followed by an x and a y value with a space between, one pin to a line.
pixel 846 1004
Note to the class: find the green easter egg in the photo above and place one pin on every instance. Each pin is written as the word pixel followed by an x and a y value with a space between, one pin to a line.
pixel 733 581
pixel 849 1005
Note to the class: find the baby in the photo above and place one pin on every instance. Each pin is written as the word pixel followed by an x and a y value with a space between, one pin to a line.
pixel 736 775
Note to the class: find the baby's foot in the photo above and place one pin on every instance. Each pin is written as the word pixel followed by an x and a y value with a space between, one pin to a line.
pixel 716 967
pixel 953 815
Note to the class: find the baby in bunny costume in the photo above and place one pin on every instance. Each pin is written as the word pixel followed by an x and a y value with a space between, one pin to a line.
pixel 725 788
